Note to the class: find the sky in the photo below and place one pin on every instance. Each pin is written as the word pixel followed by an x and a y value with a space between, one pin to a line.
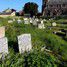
pixel 17 4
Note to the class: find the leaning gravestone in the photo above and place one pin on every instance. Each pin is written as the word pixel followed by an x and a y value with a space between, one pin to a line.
pixel 24 42
pixel 2 31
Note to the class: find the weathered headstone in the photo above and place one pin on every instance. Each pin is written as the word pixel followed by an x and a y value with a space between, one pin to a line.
pixel 42 22
pixel 44 19
pixel 13 19
pixel 35 23
pixel 26 21
pixel 19 21
pixel 41 26
pixel 2 31
pixel 54 24
pixel 10 21
pixel 3 47
pixel 24 42
pixel 31 21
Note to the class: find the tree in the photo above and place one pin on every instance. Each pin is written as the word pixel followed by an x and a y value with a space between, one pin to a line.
pixel 30 8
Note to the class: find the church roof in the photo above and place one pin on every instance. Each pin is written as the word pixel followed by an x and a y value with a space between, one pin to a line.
pixel 57 2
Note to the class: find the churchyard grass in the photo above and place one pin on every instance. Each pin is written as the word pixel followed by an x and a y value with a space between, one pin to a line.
pixel 40 38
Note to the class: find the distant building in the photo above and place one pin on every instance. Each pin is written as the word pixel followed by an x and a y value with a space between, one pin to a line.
pixel 8 12
pixel 54 7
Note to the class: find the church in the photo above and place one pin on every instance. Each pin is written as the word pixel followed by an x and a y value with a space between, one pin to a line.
pixel 54 7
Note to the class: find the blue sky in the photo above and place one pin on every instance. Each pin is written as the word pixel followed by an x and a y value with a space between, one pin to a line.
pixel 17 4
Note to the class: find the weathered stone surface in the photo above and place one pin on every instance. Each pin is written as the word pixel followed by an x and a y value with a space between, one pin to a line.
pixel 24 42
pixel 35 23
pixel 54 24
pixel 3 45
pixel 19 21
pixel 10 21
pixel 41 26
pixel 2 31
pixel 26 21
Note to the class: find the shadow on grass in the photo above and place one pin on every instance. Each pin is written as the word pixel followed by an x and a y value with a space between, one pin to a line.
pixel 13 45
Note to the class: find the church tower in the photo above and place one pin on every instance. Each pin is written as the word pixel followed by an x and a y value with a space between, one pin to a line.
pixel 44 6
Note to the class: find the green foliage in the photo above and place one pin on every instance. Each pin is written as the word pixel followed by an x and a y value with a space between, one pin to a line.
pixel 33 59
pixel 30 8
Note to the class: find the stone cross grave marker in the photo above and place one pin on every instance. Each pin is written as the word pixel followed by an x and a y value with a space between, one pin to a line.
pixel 3 45
pixel 24 42
pixel 2 31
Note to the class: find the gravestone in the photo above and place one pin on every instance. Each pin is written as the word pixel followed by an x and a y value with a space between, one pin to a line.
pixel 13 19
pixel 54 24
pixel 2 31
pixel 3 47
pixel 26 21
pixel 19 21
pixel 30 20
pixel 41 26
pixel 24 42
pixel 10 21
pixel 34 23
pixel 44 20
